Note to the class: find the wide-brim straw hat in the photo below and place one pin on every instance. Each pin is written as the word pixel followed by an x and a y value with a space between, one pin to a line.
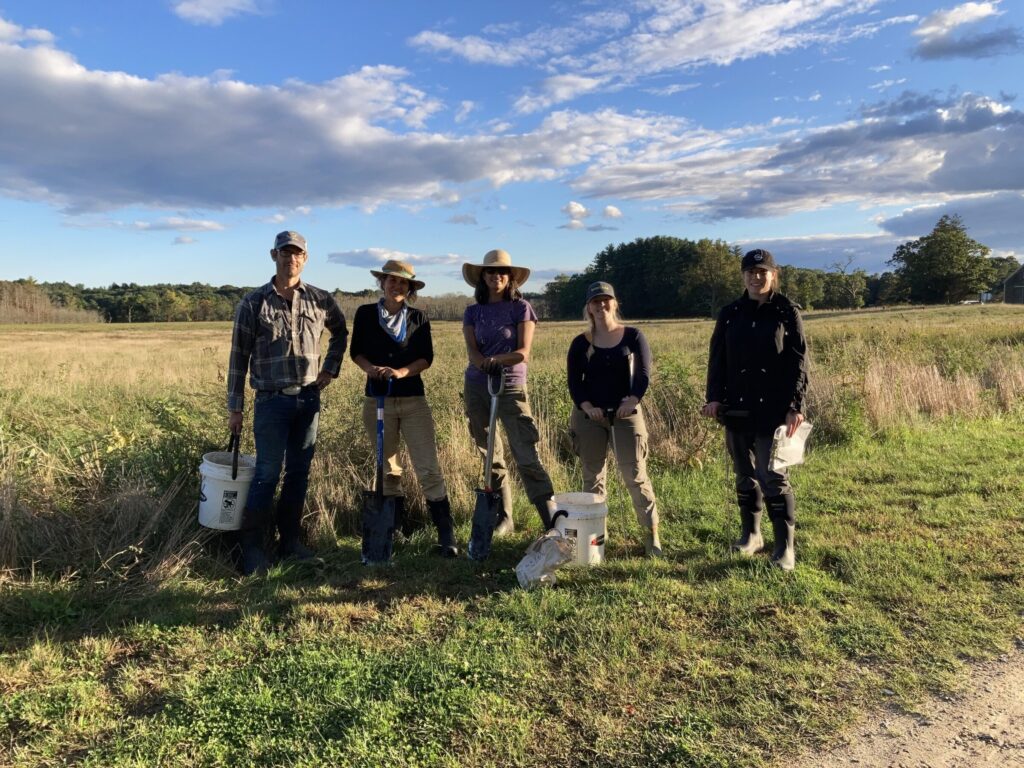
pixel 398 269
pixel 494 260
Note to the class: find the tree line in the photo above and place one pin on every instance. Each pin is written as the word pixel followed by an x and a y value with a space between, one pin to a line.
pixel 654 277
pixel 673 277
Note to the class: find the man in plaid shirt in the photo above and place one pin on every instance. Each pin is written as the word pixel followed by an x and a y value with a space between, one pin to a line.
pixel 276 339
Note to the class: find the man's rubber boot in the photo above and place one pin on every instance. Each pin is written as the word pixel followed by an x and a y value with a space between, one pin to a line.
pixel 652 544
pixel 782 511
pixel 504 525
pixel 289 528
pixel 441 514
pixel 750 540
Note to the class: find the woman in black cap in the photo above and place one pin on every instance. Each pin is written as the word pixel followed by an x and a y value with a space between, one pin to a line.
pixel 757 381
pixel 609 369
pixel 391 341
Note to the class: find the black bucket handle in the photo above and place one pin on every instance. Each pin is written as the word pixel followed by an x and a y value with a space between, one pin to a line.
pixel 233 445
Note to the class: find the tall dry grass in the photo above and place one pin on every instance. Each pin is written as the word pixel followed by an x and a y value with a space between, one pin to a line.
pixel 102 428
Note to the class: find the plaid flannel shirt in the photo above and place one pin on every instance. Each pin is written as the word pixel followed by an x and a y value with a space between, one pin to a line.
pixel 280 346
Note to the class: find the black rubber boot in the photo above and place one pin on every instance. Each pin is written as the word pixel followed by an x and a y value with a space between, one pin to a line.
pixel 782 511
pixel 441 514
pixel 750 540
pixel 289 528
pixel 504 525
pixel 254 560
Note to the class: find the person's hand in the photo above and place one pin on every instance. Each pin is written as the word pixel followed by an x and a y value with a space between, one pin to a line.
pixel 627 407
pixel 491 365
pixel 235 422
pixel 592 412
pixel 793 420
pixel 323 380
pixel 711 409
pixel 385 372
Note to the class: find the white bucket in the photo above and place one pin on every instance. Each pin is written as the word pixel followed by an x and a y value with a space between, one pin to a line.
pixel 221 499
pixel 587 522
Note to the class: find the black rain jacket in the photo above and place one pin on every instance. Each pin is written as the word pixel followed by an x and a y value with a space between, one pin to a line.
pixel 758 360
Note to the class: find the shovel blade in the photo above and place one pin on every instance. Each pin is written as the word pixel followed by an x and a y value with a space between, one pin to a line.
pixel 378 528
pixel 485 515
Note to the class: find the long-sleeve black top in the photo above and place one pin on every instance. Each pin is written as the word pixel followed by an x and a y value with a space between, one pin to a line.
pixel 758 359
pixel 606 375
pixel 376 345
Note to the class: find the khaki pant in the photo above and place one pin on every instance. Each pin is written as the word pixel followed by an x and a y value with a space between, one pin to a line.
pixel 520 431
pixel 590 441
pixel 410 418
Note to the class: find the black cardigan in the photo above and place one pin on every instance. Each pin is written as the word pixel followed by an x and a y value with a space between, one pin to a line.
pixel 601 374
pixel 376 345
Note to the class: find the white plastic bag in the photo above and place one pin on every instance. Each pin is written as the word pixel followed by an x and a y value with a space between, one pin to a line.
pixel 542 558
pixel 789 451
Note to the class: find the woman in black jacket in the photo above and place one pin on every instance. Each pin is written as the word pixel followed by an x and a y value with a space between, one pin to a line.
pixel 609 369
pixel 757 380
pixel 391 342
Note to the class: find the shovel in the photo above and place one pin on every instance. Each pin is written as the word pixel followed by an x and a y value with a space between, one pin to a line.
pixel 378 510
pixel 488 500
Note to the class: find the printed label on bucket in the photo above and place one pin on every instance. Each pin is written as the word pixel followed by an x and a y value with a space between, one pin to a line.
pixel 571 533
pixel 228 501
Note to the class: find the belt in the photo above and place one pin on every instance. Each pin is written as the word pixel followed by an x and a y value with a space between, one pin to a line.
pixel 291 391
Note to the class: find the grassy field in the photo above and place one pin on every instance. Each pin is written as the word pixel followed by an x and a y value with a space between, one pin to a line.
pixel 126 639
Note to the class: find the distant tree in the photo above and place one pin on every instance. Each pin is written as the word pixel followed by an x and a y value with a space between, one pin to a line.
pixel 886 289
pixel 804 286
pixel 712 278
pixel 1003 267
pixel 945 265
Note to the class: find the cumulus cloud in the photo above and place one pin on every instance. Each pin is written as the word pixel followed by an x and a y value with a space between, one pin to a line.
pixel 939 37
pixel 611 212
pixel 12 33
pixel 212 12
pixel 373 258
pixel 575 210
pixel 994 219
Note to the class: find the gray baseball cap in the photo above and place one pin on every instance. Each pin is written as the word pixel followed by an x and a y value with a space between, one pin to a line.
pixel 599 288
pixel 289 237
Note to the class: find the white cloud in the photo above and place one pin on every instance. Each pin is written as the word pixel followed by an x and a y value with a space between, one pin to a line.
pixel 940 36
pixel 178 224
pixel 12 33
pixel 184 240
pixel 572 224
pixel 212 12
pixel 611 212
pixel 465 107
pixel 375 257
pixel 942 23
pixel 880 68
pixel 555 90
pixel 672 90
pixel 575 210
pixel 885 85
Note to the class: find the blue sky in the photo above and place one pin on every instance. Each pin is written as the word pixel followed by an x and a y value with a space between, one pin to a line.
pixel 168 140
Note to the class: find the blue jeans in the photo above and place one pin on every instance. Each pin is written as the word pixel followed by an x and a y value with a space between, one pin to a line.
pixel 285 430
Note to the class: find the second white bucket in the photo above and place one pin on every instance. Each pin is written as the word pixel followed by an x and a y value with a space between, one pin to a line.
pixel 586 520
pixel 221 499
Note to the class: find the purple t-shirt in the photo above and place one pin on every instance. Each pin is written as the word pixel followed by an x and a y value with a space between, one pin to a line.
pixel 496 328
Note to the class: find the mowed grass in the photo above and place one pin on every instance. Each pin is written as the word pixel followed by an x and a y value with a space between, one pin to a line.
pixel 909 549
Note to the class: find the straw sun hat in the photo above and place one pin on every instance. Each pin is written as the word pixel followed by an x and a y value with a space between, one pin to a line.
pixel 495 259
pixel 398 269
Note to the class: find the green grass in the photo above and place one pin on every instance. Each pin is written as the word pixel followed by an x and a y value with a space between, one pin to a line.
pixel 909 548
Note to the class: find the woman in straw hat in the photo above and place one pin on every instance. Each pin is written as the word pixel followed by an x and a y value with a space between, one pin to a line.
pixel 609 368
pixel 391 342
pixel 498 330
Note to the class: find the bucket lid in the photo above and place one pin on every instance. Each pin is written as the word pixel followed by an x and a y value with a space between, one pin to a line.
pixel 223 459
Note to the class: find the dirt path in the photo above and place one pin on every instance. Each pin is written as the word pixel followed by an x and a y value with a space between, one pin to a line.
pixel 981 726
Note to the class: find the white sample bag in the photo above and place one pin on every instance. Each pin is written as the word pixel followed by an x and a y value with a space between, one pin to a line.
pixel 543 557
pixel 789 451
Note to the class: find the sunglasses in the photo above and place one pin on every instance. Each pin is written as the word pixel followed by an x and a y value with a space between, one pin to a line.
pixel 497 271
